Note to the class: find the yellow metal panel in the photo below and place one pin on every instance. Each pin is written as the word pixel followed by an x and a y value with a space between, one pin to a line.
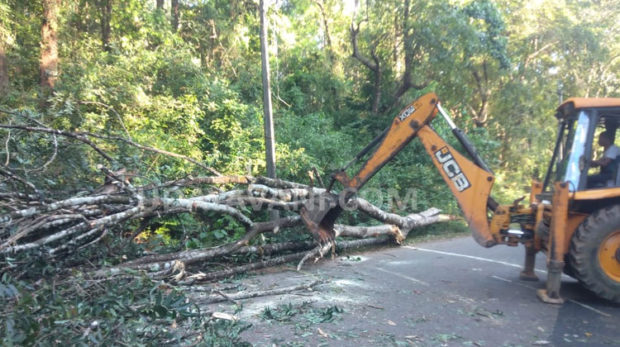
pixel 536 189
pixel 573 222
pixel 592 102
pixel 470 184
pixel 540 211
pixel 595 194
pixel 559 215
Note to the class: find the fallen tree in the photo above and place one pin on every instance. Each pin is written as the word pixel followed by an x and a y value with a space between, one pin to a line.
pixel 57 228
pixel 39 225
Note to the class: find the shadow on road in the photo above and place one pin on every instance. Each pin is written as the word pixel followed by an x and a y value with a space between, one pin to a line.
pixel 576 325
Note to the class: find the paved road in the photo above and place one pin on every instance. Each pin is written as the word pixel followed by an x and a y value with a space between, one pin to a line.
pixel 444 293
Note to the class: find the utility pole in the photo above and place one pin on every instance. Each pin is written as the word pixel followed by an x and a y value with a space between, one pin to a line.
pixel 270 155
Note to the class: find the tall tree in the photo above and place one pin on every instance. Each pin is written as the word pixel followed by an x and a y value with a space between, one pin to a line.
pixel 5 36
pixel 324 18
pixel 48 66
pixel 174 11
pixel 160 4
pixel 4 71
pixel 381 23
pixel 105 18
pixel 373 65
pixel 411 48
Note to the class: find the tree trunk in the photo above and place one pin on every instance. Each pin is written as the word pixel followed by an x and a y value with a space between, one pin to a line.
pixel 48 67
pixel 4 71
pixel 328 39
pixel 106 16
pixel 374 66
pixel 160 4
pixel 409 49
pixel 481 114
pixel 395 43
pixel 174 11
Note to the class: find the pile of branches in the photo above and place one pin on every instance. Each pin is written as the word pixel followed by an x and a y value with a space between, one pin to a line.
pixel 57 228
pixel 42 226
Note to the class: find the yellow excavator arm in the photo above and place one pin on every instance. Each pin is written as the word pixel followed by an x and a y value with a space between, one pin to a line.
pixel 470 181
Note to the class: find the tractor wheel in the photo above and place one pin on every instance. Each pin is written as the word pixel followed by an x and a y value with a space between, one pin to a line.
pixel 594 255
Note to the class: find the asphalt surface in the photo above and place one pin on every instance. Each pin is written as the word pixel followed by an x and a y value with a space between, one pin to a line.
pixel 443 293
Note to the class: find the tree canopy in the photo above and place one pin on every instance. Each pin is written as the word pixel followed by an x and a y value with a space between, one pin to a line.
pixel 185 76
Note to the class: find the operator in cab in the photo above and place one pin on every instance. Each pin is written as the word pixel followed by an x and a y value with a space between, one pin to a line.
pixel 608 163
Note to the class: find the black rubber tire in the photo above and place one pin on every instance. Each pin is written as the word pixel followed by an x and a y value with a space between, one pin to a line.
pixel 583 254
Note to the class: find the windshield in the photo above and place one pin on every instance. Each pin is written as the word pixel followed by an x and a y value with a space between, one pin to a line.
pixel 572 159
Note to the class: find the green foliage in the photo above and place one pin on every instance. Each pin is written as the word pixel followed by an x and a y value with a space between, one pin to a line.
pixel 490 29
pixel 197 91
pixel 215 230
pixel 82 311
pixel 327 151
pixel 496 66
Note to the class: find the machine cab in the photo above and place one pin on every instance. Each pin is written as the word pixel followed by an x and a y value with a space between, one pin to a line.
pixel 579 144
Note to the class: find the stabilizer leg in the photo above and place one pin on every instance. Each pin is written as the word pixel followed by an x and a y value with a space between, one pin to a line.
pixel 528 273
pixel 551 294
pixel 557 246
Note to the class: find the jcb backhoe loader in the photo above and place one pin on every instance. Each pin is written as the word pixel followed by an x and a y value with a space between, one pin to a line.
pixel 576 225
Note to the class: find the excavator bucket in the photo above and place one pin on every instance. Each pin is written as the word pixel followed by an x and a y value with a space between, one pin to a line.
pixel 319 214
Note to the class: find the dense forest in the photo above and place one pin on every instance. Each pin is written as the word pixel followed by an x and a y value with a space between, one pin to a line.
pixel 172 90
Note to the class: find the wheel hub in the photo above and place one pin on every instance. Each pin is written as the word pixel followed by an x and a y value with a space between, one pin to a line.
pixel 609 255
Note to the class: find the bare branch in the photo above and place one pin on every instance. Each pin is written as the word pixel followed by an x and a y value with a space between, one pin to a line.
pixel 6 172
pixel 91 200
pixel 374 65
pixel 101 222
pixel 84 137
pixel 354 31
pixel 78 136
pixel 248 295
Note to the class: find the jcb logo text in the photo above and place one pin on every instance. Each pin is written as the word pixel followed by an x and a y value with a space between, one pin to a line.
pixel 452 169
pixel 406 112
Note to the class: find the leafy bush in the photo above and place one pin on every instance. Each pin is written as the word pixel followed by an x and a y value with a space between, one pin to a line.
pixel 78 310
